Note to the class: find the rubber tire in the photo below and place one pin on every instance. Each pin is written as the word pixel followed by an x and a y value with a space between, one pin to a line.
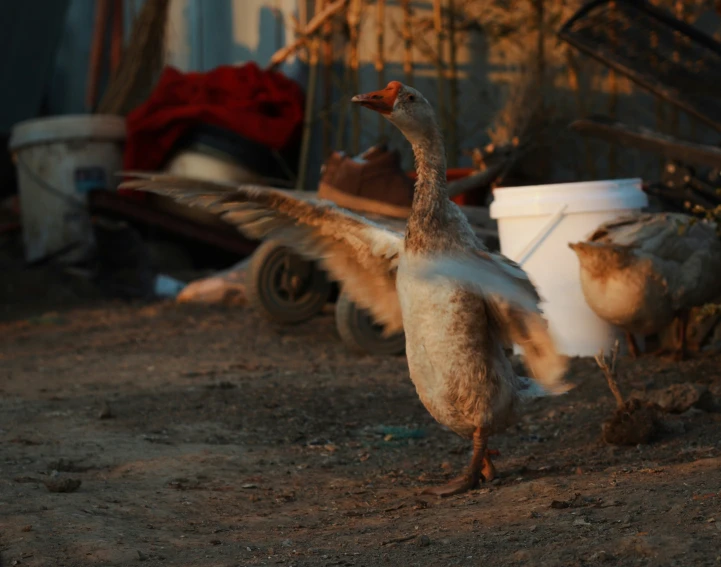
pixel 263 293
pixel 360 334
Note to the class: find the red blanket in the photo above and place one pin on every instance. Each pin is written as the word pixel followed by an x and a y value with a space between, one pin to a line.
pixel 263 106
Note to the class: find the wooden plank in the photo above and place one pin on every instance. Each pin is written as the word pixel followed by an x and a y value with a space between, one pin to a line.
pixel 227 239
pixel 646 139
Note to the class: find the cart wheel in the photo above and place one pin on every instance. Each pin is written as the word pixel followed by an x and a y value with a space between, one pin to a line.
pixel 285 287
pixel 361 334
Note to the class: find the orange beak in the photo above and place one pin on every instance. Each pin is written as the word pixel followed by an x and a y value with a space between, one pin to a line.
pixel 381 101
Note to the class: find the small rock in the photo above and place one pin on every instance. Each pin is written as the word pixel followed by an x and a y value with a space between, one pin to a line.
pixel 27 528
pixel 522 555
pixel 424 541
pixel 600 557
pixel 636 423
pixel 65 484
pixel 142 556
pixel 105 411
pixel 226 288
pixel 581 522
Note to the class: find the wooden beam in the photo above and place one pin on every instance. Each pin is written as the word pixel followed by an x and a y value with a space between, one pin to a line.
pixel 313 26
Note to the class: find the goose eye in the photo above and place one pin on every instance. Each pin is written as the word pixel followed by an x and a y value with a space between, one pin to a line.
pixel 411 98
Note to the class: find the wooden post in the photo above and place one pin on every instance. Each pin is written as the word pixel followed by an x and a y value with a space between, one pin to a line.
pixel 354 14
pixel 541 40
pixel 675 117
pixel 612 107
pixel 327 48
pixel 116 37
pixel 308 118
pixel 574 80
pixel 380 55
pixel 453 144
pixel 440 71
pixel 102 10
pixel 407 42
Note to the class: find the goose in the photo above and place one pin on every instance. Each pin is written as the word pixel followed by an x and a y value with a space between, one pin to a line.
pixel 460 305
pixel 640 272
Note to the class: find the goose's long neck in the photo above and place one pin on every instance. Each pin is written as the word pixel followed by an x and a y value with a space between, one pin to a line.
pixel 430 201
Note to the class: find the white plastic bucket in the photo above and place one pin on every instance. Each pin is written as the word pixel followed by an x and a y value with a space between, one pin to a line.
pixel 60 159
pixel 535 225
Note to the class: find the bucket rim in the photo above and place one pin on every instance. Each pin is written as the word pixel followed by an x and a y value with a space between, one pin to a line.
pixel 52 129
pixel 598 184
pixel 578 197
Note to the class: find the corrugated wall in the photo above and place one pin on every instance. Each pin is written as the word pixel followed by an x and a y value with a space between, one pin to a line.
pixel 30 35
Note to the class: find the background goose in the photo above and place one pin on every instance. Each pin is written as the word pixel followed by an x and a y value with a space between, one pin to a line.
pixel 640 272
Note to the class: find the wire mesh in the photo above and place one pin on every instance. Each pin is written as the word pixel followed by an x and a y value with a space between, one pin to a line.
pixel 672 59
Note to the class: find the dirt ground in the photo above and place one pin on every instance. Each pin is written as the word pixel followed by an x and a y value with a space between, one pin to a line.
pixel 209 437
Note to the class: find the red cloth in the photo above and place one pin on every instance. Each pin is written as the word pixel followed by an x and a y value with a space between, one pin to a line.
pixel 263 106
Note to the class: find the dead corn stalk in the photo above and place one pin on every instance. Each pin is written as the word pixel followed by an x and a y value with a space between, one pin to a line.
pixel 609 371
pixel 305 34
pixel 141 61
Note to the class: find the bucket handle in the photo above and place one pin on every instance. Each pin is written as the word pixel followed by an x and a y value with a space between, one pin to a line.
pixel 528 250
pixel 47 187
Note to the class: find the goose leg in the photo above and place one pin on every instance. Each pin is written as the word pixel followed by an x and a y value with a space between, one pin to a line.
pixel 632 345
pixel 480 467
pixel 680 353
pixel 488 472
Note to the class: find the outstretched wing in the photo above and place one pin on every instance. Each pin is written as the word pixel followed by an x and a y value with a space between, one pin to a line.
pixel 360 254
pixel 516 309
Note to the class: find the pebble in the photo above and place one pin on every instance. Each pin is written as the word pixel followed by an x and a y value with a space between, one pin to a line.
pixel 424 541
pixel 65 484
pixel 105 411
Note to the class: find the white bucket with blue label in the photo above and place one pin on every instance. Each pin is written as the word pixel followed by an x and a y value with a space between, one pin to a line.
pixel 59 160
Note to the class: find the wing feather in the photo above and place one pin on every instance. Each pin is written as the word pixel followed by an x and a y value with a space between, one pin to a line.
pixel 360 254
